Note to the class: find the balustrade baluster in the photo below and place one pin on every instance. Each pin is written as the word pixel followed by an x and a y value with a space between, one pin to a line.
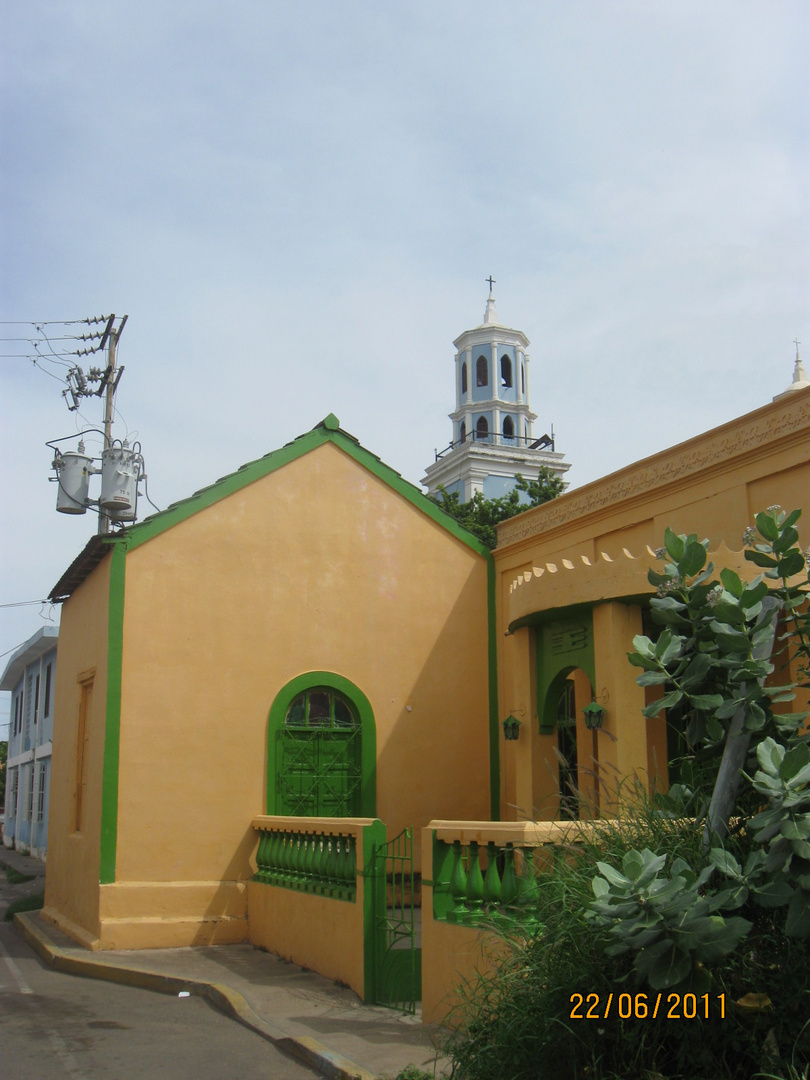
pixel 277 854
pixel 458 884
pixel 272 856
pixel 339 884
pixel 492 880
pixel 319 863
pixel 309 864
pixel 261 860
pixel 321 855
pixel 351 866
pixel 527 882
pixel 475 883
pixel 267 856
pixel 331 864
pixel 509 880
pixel 298 859
pixel 286 860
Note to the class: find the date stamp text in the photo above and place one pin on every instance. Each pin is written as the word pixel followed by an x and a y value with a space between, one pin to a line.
pixel 642 1006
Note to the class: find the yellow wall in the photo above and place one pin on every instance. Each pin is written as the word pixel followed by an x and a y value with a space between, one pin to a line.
pixel 588 548
pixel 317 566
pixel 71 885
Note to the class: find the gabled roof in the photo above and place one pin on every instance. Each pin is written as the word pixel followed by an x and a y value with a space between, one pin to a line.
pixel 328 430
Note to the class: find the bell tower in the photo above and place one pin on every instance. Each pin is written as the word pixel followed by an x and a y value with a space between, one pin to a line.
pixel 493 439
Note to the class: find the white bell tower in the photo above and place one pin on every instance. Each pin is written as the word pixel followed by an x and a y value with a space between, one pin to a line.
pixel 493 439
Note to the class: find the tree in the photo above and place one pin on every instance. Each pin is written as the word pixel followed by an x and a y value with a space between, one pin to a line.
pixel 713 658
pixel 481 515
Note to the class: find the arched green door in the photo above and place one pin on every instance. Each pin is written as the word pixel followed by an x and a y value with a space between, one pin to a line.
pixel 321 749
pixel 319 769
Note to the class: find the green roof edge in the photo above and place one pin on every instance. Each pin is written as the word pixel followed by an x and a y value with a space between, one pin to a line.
pixel 327 430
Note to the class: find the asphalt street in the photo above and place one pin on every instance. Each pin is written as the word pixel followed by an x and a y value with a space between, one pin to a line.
pixel 58 1026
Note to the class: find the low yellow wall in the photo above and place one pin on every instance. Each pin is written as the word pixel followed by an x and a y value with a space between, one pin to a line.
pixel 314 931
pixel 172 914
pixel 326 934
pixel 452 957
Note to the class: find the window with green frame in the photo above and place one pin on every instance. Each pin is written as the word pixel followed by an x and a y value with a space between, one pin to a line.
pixel 321 708
pixel 319 768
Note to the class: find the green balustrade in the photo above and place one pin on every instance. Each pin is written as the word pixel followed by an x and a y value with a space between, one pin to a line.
pixel 464 892
pixel 313 862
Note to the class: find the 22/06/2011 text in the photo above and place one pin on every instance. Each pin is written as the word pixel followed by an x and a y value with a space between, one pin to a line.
pixel 672 1006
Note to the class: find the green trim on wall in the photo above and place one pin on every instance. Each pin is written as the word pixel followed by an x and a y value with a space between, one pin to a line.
pixel 112 728
pixel 327 431
pixel 368 729
pixel 562 646
pixel 492 657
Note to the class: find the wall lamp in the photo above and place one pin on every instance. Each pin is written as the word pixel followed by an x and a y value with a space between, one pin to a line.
pixel 594 715
pixel 511 728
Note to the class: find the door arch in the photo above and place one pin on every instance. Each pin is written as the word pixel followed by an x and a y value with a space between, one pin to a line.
pixel 321 749
pixel 568 751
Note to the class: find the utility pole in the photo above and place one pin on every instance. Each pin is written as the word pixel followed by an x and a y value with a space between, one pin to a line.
pixel 110 383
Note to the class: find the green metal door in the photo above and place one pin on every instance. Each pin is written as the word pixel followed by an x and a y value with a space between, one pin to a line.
pixel 318 761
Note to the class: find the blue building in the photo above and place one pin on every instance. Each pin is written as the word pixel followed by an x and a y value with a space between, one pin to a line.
pixel 29 677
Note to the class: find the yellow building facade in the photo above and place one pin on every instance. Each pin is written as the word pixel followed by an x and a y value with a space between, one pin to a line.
pixel 572 592
pixel 314 584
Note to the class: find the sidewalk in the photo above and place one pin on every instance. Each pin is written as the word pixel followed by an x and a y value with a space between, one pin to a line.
pixel 304 1014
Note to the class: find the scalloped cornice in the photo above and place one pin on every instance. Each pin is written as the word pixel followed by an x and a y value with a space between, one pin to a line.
pixel 580 580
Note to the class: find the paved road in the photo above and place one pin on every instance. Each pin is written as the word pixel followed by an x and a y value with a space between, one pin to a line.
pixel 61 1027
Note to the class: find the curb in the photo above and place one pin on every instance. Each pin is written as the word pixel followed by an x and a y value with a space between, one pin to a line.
pixel 225 998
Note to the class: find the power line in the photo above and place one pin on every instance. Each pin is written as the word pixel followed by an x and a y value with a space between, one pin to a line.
pixel 23 603
pixel 95 320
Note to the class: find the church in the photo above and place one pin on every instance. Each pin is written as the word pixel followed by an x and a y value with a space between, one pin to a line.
pixel 261 686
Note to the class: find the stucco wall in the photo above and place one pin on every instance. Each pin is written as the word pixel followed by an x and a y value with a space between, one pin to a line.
pixel 316 566
pixel 72 878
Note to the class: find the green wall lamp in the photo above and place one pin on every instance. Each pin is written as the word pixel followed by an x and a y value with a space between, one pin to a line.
pixel 594 715
pixel 511 728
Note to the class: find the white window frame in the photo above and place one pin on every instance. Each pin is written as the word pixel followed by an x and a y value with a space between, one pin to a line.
pixel 40 793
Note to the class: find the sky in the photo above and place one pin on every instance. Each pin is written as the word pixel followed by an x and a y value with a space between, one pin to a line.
pixel 297 205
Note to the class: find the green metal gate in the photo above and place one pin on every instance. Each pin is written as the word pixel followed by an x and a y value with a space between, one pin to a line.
pixel 397 962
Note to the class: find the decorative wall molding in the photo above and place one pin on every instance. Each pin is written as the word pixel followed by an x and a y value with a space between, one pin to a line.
pixel 579 580
pixel 726 444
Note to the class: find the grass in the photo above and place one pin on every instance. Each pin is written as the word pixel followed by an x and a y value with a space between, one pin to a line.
pixel 14 877
pixel 27 903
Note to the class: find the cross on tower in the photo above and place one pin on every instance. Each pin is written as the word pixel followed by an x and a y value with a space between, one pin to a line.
pixel 491 281
pixel 796 341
